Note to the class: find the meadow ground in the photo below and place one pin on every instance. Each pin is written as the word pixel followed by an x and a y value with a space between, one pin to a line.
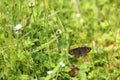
pixel 35 37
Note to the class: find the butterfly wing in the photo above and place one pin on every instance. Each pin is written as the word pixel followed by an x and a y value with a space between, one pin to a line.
pixel 80 51
pixel 75 52
pixel 84 50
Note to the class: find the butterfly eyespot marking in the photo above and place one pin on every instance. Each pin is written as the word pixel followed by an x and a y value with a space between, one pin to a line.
pixel 88 49
pixel 71 51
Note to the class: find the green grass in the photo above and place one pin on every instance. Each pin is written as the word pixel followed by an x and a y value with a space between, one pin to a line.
pixel 29 53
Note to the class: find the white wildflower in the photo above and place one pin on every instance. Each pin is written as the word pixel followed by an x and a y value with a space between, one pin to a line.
pixel 31 4
pixel 59 31
pixel 18 27
pixel 49 72
pixel 62 64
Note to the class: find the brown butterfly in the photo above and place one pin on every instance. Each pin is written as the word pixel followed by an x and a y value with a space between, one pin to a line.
pixel 80 51
pixel 73 72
